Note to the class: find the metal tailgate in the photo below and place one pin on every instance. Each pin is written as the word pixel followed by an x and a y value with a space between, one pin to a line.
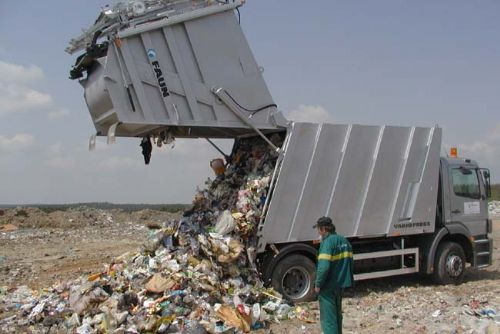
pixel 191 72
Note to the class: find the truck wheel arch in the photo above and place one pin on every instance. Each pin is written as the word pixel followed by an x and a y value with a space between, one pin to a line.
pixel 455 232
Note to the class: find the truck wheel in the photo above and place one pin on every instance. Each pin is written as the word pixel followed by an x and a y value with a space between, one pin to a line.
pixel 449 264
pixel 294 278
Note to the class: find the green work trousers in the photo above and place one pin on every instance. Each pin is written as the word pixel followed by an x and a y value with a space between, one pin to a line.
pixel 330 309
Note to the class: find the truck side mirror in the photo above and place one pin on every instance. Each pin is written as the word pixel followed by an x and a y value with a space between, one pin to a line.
pixel 487 184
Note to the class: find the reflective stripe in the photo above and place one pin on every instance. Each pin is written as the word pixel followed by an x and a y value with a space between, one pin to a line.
pixel 328 257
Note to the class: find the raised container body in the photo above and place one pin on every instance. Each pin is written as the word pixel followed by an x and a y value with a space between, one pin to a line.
pixel 371 180
pixel 192 73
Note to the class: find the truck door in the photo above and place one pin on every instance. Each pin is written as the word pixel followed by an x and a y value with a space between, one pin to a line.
pixel 468 201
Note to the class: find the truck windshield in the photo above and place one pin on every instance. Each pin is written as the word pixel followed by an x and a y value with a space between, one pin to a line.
pixel 465 183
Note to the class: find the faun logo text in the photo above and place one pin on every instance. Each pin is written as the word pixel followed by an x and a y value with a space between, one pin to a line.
pixel 159 74
pixel 160 78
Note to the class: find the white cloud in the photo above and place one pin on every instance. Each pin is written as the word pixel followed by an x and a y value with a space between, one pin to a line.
pixel 120 162
pixel 486 151
pixel 58 157
pixel 185 148
pixel 61 163
pixel 479 148
pixel 18 95
pixel 494 135
pixel 307 113
pixel 16 98
pixel 57 114
pixel 17 142
pixel 13 73
pixel 56 148
pixel 106 157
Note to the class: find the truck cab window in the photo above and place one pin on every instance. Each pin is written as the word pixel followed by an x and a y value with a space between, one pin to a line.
pixel 465 183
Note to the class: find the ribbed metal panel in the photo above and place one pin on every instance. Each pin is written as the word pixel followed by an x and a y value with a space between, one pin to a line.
pixel 161 76
pixel 371 180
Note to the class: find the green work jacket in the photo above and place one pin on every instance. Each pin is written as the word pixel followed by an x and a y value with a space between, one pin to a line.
pixel 335 263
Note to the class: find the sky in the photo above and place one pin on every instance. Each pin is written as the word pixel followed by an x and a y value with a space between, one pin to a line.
pixel 411 63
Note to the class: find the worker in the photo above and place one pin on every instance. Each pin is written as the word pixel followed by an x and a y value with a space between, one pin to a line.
pixel 334 273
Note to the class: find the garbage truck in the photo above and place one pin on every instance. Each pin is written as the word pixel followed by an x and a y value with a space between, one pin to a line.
pixel 183 69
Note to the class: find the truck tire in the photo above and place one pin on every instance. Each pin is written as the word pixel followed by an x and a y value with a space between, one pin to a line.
pixel 449 264
pixel 294 278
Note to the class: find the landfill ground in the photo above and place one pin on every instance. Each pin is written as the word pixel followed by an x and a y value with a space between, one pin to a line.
pixel 39 249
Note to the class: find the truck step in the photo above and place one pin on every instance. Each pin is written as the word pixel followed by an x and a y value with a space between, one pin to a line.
pixel 483 253
pixel 482 247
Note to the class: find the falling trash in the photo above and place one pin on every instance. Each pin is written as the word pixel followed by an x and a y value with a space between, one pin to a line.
pixel 147 148
pixel 192 272
pixel 226 223
pixel 218 166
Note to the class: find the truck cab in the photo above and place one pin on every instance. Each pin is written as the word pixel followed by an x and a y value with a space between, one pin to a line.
pixel 462 219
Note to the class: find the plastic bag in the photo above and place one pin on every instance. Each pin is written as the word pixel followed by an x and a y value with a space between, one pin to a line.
pixel 232 318
pixel 225 224
pixel 256 313
pixel 158 284
pixel 84 299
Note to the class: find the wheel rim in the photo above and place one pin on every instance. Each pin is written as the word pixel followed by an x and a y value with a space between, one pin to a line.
pixel 454 265
pixel 296 282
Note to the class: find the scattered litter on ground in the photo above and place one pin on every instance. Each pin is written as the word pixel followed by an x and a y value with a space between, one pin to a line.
pixel 193 274
pixel 8 228
pixel 494 209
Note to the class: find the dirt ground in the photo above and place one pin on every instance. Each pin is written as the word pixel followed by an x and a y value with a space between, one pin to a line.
pixel 64 245
pixel 412 304
pixel 61 247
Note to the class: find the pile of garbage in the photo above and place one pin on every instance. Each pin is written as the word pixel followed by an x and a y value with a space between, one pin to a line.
pixel 196 274
pixel 494 208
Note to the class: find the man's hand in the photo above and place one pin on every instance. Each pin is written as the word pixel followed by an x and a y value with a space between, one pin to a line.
pixel 316 289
